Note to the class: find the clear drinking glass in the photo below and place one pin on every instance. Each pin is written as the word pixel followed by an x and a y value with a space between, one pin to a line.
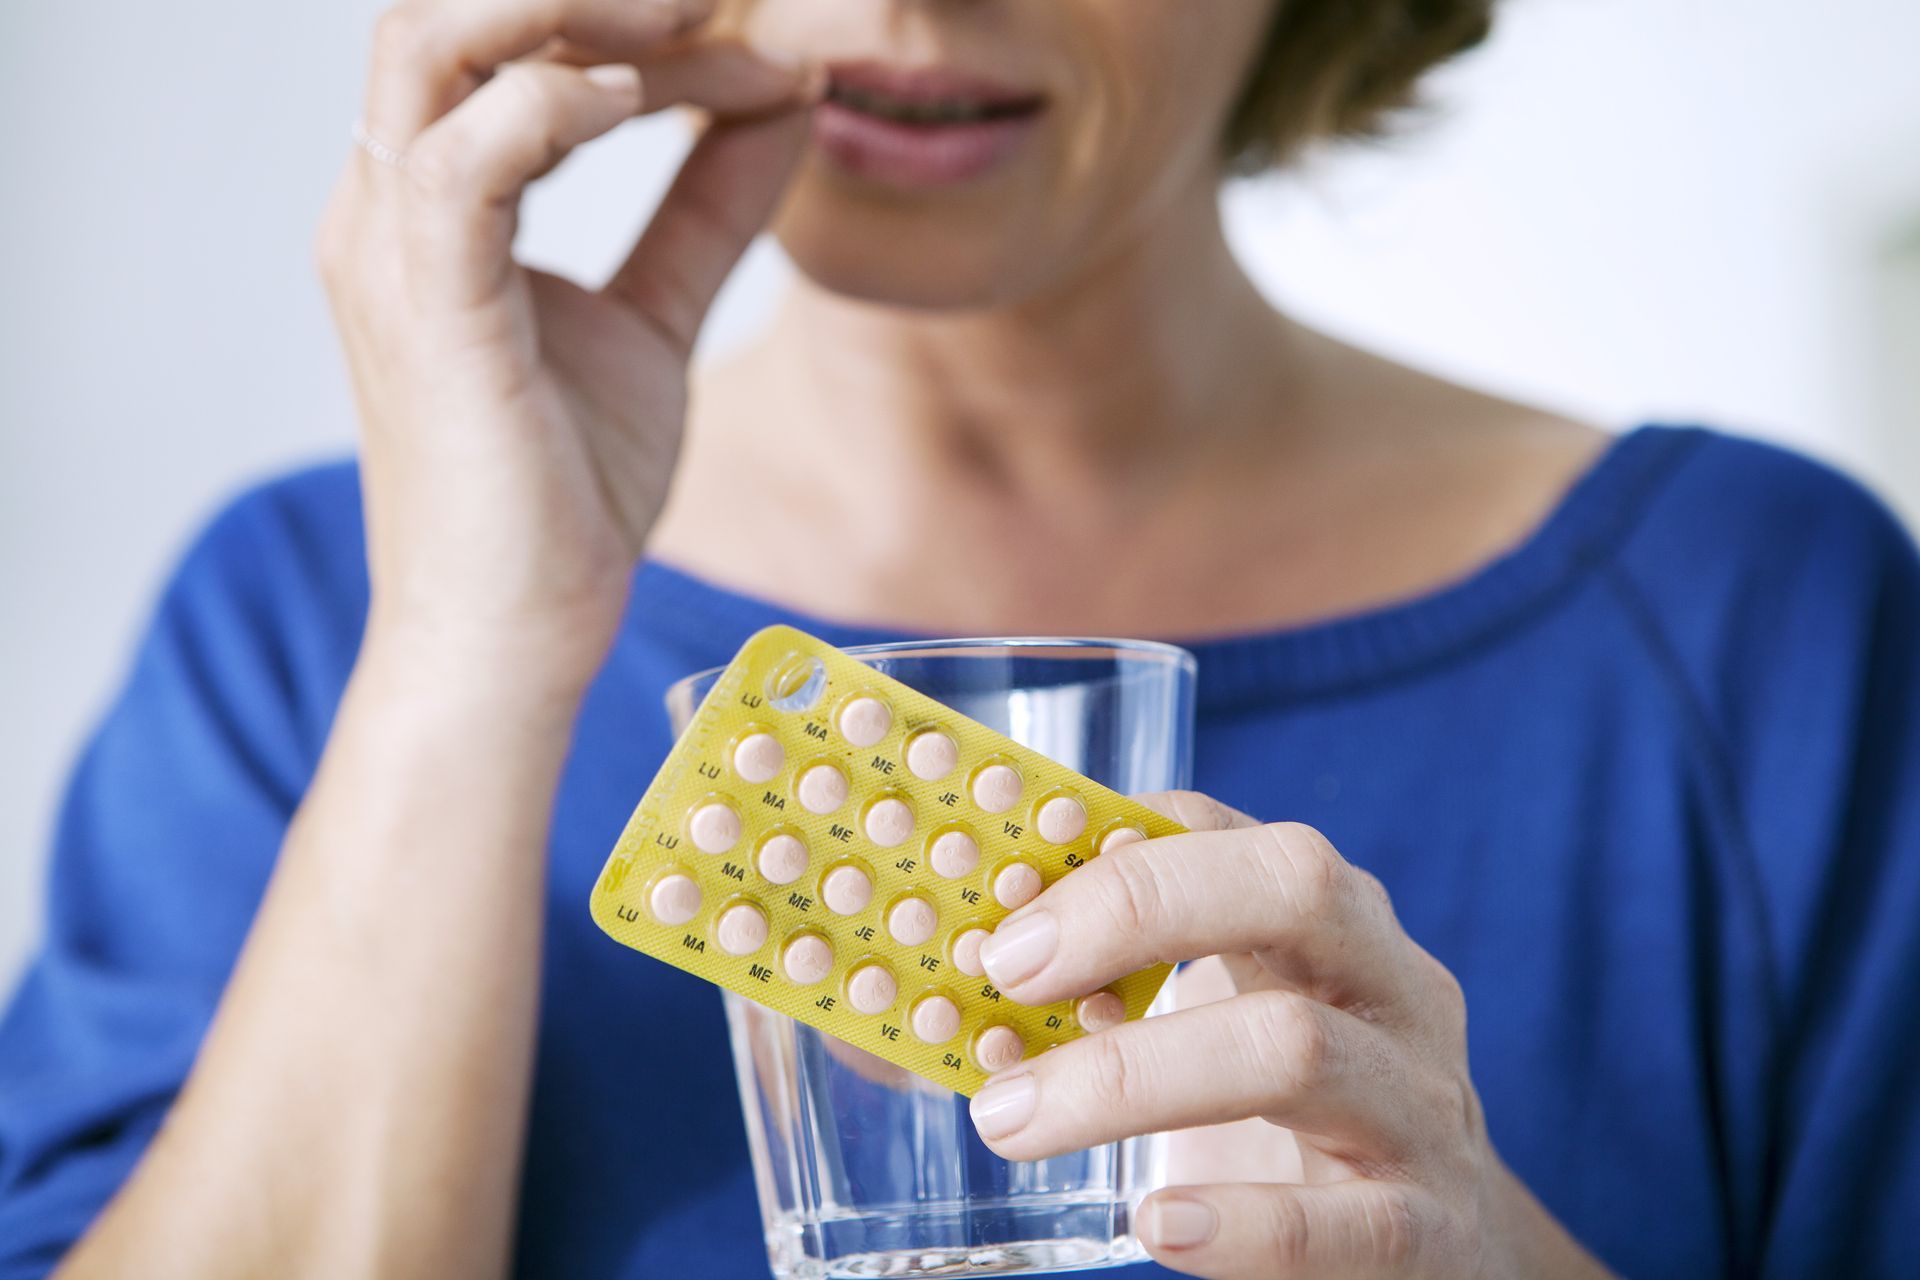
pixel 867 1170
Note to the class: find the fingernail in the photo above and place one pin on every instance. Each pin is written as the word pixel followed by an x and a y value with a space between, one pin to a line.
pixel 1021 949
pixel 1172 1223
pixel 615 77
pixel 1003 1107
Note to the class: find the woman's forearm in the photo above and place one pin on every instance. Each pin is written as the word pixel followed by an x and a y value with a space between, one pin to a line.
pixel 358 1108
pixel 359 1105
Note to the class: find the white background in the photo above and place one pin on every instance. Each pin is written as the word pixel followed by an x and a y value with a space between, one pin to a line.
pixel 1700 209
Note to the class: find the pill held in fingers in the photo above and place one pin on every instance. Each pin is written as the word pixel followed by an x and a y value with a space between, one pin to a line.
pixel 841 848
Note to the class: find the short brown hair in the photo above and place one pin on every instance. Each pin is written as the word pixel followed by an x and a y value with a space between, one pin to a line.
pixel 1334 69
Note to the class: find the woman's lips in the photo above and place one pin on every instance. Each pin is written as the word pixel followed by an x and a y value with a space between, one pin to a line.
pixel 921 127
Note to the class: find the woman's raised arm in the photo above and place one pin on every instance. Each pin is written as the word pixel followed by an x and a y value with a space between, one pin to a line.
pixel 358 1105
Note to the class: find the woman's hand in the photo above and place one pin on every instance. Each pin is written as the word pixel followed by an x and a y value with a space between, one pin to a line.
pixel 519 431
pixel 1343 1031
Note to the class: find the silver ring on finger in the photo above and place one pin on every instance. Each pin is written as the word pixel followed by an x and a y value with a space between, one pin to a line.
pixel 391 157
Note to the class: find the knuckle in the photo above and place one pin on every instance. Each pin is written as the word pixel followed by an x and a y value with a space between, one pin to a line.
pixel 1195 810
pixel 1446 999
pixel 1372 888
pixel 1462 1103
pixel 1130 893
pixel 531 87
pixel 1111 1077
pixel 716 217
pixel 1314 876
pixel 1290 1036
pixel 1453 997
pixel 1289 1233
pixel 400 34
pixel 1396 1226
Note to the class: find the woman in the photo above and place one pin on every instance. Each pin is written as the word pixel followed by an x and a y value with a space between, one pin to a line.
pixel 1621 725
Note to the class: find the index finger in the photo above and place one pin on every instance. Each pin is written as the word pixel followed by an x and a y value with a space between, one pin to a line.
pixel 1280 891
pixel 430 54
pixel 1195 811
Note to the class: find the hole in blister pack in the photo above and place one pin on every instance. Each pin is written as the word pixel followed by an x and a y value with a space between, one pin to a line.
pixel 798 683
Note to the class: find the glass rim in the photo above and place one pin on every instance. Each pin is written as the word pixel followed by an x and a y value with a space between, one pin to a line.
pixel 1147 651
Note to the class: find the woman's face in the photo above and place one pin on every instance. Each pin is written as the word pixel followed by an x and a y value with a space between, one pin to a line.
pixel 975 152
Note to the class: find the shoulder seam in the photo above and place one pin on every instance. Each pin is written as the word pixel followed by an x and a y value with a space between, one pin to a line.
pixel 1740 862
pixel 1724 789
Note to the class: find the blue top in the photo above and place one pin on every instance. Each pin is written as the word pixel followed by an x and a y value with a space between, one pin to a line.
pixel 1649 785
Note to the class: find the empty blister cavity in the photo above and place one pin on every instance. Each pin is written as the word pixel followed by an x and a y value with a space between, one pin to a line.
pixel 807 959
pixel 953 854
pixel 1101 1011
pixel 912 921
pixel 996 787
pixel 714 827
pixel 847 890
pixel 674 899
pixel 797 683
pixel 741 929
pixel 1060 819
pixel 865 721
pixel 872 989
pixel 888 821
pixel 1120 838
pixel 822 789
pixel 932 755
pixel 782 858
pixel 998 1048
pixel 1016 884
pixel 935 1019
pixel 966 952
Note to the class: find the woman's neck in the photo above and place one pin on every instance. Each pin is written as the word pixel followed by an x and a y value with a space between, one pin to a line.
pixel 1147 449
pixel 1161 355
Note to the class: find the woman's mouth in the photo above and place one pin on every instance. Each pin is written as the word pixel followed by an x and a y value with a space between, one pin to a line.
pixel 921 127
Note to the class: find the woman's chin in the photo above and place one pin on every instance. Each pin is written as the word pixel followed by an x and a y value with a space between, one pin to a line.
pixel 923 267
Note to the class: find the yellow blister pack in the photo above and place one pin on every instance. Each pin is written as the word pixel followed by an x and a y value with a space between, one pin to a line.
pixel 834 845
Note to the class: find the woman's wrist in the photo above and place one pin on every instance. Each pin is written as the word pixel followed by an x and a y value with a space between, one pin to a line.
pixel 533 678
